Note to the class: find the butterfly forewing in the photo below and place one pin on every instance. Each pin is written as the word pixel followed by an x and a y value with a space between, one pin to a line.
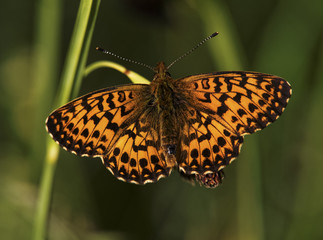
pixel 243 102
pixel 91 124
pixel 136 156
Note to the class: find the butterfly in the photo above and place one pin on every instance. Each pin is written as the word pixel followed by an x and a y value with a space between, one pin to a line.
pixel 194 124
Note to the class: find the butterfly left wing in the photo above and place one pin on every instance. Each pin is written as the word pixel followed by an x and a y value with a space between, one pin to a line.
pixel 225 106
pixel 113 124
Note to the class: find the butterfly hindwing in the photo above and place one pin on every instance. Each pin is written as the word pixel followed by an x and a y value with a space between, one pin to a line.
pixel 206 145
pixel 136 156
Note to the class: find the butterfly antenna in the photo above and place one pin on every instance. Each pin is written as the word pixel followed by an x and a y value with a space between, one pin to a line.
pixel 192 50
pixel 123 58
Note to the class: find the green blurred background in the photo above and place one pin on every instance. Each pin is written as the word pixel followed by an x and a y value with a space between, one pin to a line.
pixel 272 191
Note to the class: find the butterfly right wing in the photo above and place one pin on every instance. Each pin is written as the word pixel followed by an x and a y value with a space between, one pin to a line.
pixel 224 107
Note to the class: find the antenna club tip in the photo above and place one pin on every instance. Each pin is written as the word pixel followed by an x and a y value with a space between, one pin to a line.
pixel 214 34
pixel 99 49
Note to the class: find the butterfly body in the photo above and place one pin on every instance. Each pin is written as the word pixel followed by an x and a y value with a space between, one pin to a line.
pixel 195 124
pixel 166 107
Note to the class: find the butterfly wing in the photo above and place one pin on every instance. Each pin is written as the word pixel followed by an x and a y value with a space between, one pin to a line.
pixel 108 124
pixel 225 106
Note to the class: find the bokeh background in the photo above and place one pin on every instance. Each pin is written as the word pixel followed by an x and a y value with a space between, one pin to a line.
pixel 272 191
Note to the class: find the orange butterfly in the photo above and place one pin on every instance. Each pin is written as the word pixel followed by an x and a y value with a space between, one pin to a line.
pixel 195 124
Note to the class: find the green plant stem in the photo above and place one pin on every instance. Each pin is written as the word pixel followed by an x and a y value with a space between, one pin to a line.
pixel 74 53
pixel 45 190
pixel 227 52
pixel 68 76
pixel 85 52
pixel 134 77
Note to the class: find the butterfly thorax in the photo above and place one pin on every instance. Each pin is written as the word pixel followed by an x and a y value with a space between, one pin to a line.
pixel 162 88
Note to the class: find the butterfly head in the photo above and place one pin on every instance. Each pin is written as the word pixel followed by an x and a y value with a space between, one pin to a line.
pixel 161 71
